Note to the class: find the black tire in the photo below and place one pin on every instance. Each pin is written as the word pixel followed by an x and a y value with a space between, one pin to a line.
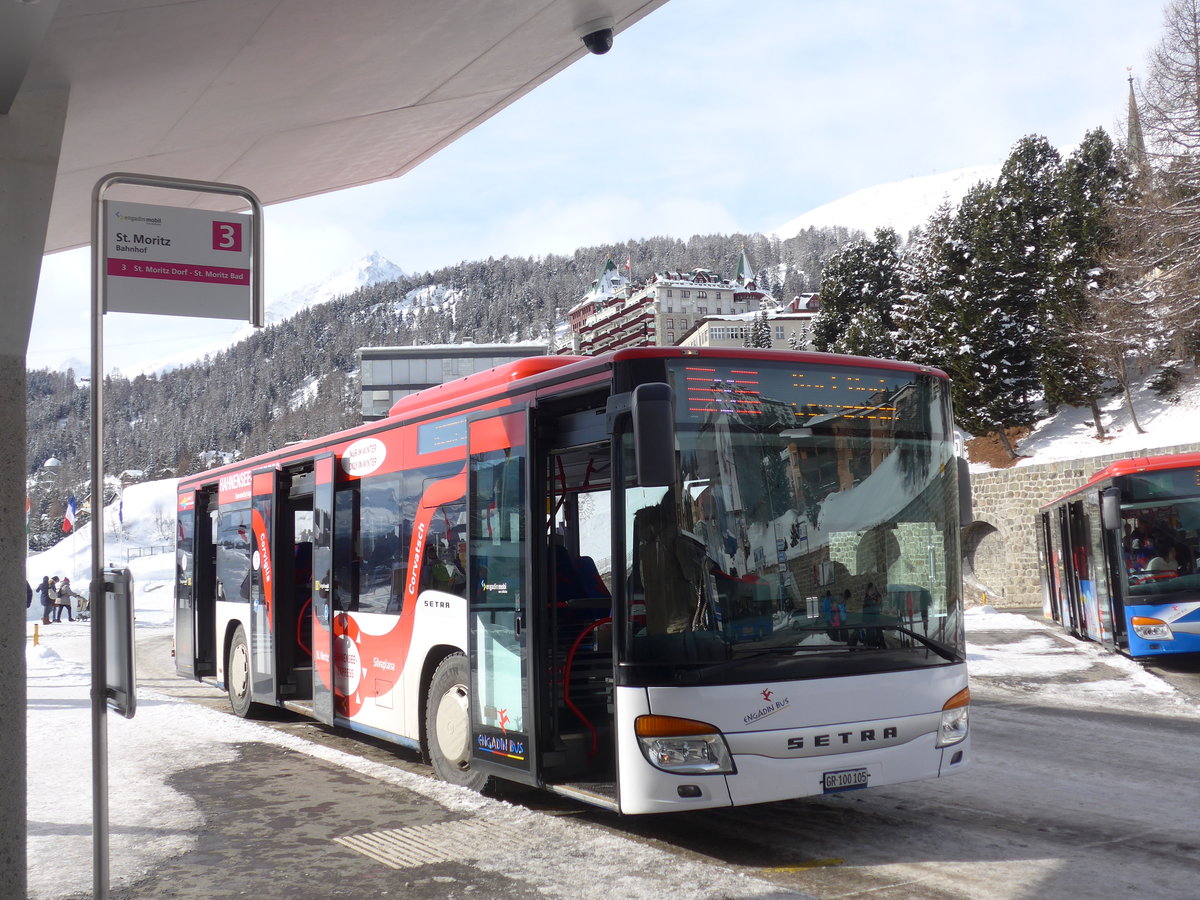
pixel 237 678
pixel 448 724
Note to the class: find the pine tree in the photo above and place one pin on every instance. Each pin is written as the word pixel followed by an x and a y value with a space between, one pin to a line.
pixel 859 288
pixel 1094 181
pixel 928 330
pixel 993 368
pixel 760 331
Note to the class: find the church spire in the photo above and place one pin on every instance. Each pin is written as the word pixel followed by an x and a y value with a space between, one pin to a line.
pixel 744 274
pixel 1136 142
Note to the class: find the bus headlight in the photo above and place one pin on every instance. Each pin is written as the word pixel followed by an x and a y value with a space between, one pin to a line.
pixel 683 746
pixel 1149 629
pixel 955 717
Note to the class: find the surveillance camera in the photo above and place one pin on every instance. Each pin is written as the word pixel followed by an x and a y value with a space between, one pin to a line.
pixel 597 35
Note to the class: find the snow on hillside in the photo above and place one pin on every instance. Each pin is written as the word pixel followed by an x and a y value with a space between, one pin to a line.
pixel 1070 434
pixel 901 205
pixel 369 270
pixel 438 297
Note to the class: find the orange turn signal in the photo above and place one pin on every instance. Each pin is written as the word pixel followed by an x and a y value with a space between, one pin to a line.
pixel 962 698
pixel 670 726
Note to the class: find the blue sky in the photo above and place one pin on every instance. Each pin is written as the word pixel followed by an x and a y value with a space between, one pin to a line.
pixel 707 116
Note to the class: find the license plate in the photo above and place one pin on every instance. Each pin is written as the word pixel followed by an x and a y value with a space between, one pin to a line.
pixel 845 780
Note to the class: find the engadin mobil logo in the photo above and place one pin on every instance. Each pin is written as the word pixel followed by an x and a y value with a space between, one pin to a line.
pixel 141 220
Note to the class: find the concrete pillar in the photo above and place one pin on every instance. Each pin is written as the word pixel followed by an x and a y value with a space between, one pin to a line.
pixel 30 140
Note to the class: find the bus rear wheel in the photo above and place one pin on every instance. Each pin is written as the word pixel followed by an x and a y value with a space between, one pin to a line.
pixel 448 724
pixel 237 678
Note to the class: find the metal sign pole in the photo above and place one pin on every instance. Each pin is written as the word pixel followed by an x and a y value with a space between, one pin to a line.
pixel 99 599
pixel 99 611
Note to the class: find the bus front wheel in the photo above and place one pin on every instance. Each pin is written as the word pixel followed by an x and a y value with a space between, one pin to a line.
pixel 448 724
pixel 237 677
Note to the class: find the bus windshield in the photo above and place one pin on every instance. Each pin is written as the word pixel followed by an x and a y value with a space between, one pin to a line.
pixel 1160 539
pixel 812 529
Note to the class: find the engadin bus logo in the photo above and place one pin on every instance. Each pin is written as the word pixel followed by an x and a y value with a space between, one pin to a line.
pixel 769 708
pixel 364 456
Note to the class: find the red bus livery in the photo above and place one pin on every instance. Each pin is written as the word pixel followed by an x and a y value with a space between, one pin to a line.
pixel 621 578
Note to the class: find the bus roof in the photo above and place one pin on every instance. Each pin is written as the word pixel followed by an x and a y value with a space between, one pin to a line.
pixel 1133 466
pixel 496 379
pixel 487 381
pixel 480 387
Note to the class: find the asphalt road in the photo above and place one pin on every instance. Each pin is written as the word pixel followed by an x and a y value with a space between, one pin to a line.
pixel 1068 796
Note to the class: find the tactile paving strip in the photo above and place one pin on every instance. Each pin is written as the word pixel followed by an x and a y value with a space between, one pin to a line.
pixel 421 845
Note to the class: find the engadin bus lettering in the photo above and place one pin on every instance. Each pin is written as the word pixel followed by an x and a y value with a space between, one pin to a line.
pixel 501 746
pixel 409 575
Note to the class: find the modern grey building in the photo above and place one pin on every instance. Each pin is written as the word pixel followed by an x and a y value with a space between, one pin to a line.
pixel 389 373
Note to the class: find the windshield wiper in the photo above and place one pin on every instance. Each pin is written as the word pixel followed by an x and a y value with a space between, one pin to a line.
pixel 938 648
pixel 692 675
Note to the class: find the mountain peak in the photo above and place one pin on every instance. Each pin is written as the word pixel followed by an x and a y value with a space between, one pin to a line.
pixel 370 269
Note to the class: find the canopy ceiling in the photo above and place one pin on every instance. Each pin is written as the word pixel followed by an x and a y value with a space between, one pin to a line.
pixel 288 98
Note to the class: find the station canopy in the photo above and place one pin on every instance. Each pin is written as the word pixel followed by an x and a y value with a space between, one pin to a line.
pixel 288 98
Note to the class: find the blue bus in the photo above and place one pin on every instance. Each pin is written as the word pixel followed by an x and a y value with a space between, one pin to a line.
pixel 1119 556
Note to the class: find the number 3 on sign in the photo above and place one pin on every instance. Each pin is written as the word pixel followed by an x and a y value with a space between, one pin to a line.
pixel 227 236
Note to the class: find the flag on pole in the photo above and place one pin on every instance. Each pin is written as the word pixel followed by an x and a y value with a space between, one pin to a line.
pixel 69 517
pixel 628 260
pixel 121 509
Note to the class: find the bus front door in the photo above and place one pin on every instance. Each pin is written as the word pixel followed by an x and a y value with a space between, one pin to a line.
pixel 500 632
pixel 195 588
pixel 323 625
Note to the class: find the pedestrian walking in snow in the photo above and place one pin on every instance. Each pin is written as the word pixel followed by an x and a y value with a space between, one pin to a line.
pixel 62 600
pixel 46 591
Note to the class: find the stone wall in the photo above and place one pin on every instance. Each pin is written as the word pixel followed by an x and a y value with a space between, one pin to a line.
pixel 1000 544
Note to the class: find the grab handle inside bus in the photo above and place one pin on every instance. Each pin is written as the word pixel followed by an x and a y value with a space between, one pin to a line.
pixel 654 434
pixel 1110 508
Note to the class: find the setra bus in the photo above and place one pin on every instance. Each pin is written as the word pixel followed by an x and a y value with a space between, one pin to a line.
pixel 1118 556
pixel 657 579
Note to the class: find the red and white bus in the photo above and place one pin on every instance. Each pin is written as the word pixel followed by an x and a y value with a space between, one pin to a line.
pixel 658 579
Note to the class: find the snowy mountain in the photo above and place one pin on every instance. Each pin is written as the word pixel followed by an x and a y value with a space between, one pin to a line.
pixel 900 205
pixel 369 270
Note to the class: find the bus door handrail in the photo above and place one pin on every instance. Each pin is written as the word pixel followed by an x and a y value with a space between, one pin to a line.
pixel 567 682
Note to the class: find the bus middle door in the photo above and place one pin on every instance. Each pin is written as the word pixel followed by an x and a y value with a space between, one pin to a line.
pixel 501 641
pixel 264 618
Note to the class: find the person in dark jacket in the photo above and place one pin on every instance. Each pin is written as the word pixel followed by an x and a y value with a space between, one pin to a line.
pixel 46 591
pixel 28 595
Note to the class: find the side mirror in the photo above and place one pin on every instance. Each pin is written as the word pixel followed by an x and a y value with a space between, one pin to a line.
pixel 654 434
pixel 1110 509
